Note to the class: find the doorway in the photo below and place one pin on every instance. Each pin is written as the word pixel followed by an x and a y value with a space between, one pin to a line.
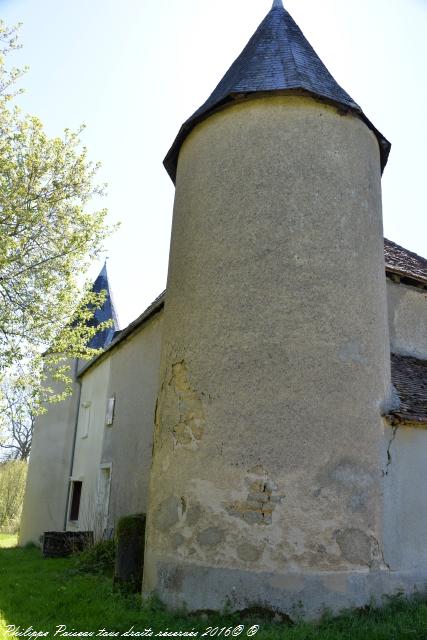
pixel 103 497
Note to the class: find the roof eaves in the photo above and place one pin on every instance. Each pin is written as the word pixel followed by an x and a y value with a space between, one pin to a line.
pixel 404 263
pixel 406 274
pixel 394 418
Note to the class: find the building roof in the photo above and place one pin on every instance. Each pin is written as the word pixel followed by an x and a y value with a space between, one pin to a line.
pixel 404 263
pixel 397 260
pixel 409 376
pixel 107 312
pixel 119 336
pixel 277 58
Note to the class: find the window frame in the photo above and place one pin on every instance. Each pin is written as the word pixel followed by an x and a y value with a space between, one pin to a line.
pixel 75 500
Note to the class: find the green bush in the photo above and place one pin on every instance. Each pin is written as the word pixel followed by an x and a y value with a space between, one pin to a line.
pixel 13 475
pixel 130 537
pixel 129 526
pixel 97 558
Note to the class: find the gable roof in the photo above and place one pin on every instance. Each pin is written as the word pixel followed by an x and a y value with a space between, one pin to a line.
pixel 277 58
pixel 409 377
pixel 404 263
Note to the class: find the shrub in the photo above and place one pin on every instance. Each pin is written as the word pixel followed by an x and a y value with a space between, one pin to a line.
pixel 130 537
pixel 98 558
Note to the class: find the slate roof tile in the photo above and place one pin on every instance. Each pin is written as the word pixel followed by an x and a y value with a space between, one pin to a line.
pixel 403 262
pixel 277 58
pixel 103 338
pixel 409 376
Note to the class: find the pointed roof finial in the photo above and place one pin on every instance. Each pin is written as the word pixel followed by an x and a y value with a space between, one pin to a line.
pixel 103 272
pixel 107 312
pixel 277 58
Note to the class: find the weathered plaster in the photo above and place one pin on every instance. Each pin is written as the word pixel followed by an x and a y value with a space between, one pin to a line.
pixel 261 501
pixel 280 347
pixel 407 313
pixel 181 408
pixel 405 499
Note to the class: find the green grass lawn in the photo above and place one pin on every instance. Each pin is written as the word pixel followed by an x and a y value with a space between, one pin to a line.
pixel 44 593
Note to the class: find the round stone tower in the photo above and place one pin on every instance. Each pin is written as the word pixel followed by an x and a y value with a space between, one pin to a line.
pixel 265 487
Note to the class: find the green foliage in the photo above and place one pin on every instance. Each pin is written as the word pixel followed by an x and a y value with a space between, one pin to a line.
pixel 8 77
pixel 131 525
pixel 97 558
pixel 49 236
pixel 8 540
pixel 13 476
pixel 130 539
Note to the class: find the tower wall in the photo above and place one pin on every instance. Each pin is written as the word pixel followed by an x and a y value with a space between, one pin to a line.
pixel 265 484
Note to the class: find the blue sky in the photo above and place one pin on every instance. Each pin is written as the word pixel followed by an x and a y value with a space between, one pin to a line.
pixel 134 70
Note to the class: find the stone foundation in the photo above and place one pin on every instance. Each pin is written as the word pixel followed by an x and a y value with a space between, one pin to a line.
pixel 296 595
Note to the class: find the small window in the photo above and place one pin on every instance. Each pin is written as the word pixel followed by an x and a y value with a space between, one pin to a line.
pixel 75 499
pixel 85 419
pixel 109 414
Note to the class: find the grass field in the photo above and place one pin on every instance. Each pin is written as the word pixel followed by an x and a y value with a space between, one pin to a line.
pixel 43 593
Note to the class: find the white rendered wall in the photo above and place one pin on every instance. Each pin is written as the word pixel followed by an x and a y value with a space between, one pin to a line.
pixel 134 382
pixel 407 311
pixel 405 498
pixel 89 440
pixel 49 470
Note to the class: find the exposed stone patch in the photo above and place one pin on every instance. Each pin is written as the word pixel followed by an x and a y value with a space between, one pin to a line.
pixel 355 546
pixel 210 536
pixel 261 501
pixel 179 408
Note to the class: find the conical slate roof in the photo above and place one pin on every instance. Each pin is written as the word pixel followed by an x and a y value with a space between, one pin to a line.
pixel 102 339
pixel 277 58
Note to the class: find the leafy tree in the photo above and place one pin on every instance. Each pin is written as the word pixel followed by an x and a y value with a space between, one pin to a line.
pixel 48 237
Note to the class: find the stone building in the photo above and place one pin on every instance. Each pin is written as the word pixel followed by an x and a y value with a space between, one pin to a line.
pixel 268 411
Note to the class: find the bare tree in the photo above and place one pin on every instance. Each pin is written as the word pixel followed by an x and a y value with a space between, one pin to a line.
pixel 17 416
